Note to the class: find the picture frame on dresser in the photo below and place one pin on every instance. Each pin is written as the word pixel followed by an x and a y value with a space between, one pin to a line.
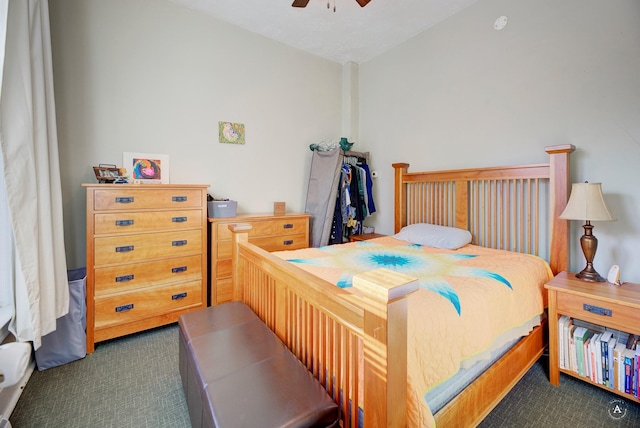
pixel 147 168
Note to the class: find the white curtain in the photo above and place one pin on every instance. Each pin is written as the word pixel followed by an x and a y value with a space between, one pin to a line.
pixel 29 155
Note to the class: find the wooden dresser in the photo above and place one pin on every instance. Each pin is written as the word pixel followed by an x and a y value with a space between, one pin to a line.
pixel 269 232
pixel 146 256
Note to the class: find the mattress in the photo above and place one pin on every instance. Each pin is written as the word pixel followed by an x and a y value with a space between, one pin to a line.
pixel 469 302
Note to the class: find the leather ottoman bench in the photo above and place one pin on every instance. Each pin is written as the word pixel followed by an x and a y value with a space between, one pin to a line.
pixel 237 373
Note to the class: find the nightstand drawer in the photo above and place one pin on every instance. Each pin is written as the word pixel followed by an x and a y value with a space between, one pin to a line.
pixel 598 311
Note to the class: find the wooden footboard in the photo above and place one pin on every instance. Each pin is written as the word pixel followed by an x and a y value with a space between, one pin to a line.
pixel 354 343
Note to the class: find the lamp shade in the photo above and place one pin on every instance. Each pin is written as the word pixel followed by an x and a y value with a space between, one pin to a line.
pixel 586 203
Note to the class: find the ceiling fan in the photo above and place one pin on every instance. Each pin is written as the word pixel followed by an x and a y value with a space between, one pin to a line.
pixel 303 3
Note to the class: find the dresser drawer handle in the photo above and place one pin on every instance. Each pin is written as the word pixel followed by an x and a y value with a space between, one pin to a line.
pixel 179 243
pixel 179 198
pixel 597 310
pixel 124 249
pixel 288 242
pixel 179 296
pixel 124 222
pixel 288 226
pixel 179 269
pixel 124 199
pixel 124 278
pixel 124 308
pixel 178 219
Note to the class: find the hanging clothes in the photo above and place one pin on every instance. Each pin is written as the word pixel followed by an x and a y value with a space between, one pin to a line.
pixel 354 200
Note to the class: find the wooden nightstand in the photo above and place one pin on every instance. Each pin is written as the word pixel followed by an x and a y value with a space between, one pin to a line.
pixel 365 237
pixel 601 303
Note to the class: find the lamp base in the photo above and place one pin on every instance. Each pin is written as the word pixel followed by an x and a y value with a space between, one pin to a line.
pixel 590 275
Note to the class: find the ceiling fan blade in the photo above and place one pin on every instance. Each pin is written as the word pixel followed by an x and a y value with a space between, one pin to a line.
pixel 363 3
pixel 300 3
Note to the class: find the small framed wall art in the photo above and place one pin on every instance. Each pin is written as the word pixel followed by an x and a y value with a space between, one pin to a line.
pixel 145 168
pixel 229 132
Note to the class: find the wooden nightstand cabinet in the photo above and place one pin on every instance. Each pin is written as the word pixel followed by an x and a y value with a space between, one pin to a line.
pixel 601 303
pixel 269 231
pixel 365 237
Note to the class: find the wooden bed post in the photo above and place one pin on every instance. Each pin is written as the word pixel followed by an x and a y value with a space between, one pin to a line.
pixel 400 214
pixel 240 233
pixel 385 345
pixel 559 167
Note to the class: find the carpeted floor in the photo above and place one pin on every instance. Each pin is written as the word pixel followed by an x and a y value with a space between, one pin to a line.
pixel 134 382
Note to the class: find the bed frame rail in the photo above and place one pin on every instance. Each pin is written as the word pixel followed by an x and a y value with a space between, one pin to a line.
pixel 340 336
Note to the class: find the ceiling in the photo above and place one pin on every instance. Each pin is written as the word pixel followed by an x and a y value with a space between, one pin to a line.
pixel 350 34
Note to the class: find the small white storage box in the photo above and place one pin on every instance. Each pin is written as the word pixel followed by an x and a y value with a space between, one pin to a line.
pixel 222 208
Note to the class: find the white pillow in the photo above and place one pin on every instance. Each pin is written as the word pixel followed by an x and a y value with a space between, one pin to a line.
pixel 433 235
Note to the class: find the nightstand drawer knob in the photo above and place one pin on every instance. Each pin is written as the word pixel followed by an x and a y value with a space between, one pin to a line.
pixel 179 296
pixel 124 199
pixel 597 310
pixel 288 242
pixel 178 219
pixel 124 278
pixel 124 222
pixel 179 243
pixel 124 249
pixel 288 226
pixel 179 198
pixel 179 269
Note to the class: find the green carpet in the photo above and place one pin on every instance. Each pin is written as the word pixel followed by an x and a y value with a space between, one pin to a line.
pixel 134 382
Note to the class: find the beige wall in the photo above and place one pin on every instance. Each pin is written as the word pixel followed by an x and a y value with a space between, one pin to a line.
pixel 150 76
pixel 463 94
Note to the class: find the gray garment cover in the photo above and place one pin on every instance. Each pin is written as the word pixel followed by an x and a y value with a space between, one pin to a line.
pixel 324 178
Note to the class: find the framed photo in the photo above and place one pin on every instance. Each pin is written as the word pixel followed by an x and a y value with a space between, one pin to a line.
pixel 146 167
pixel 106 173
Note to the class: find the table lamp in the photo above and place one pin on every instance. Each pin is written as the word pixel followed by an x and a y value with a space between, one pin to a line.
pixel 586 203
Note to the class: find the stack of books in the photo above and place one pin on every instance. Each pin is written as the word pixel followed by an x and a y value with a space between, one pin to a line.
pixel 606 357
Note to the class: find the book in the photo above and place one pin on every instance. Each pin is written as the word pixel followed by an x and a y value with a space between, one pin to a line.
pixel 596 365
pixel 604 351
pixel 612 344
pixel 618 366
pixel 573 359
pixel 627 356
pixel 580 335
pixel 562 341
pixel 635 390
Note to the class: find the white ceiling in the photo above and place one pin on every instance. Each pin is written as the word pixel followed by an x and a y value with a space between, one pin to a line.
pixel 350 34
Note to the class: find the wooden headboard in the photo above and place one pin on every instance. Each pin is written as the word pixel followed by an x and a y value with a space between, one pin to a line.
pixel 502 207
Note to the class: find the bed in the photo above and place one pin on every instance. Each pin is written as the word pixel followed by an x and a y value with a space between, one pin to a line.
pixel 359 340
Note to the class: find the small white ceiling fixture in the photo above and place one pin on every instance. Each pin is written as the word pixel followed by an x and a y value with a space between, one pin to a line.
pixel 500 23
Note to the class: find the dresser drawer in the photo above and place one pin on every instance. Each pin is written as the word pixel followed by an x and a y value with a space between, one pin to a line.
pixel 224 291
pixel 134 222
pixel 132 276
pixel 281 243
pixel 133 199
pixel 280 226
pixel 267 243
pixel 127 307
pixel 598 311
pixel 128 248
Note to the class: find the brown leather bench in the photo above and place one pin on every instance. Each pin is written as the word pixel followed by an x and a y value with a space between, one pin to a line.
pixel 237 373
